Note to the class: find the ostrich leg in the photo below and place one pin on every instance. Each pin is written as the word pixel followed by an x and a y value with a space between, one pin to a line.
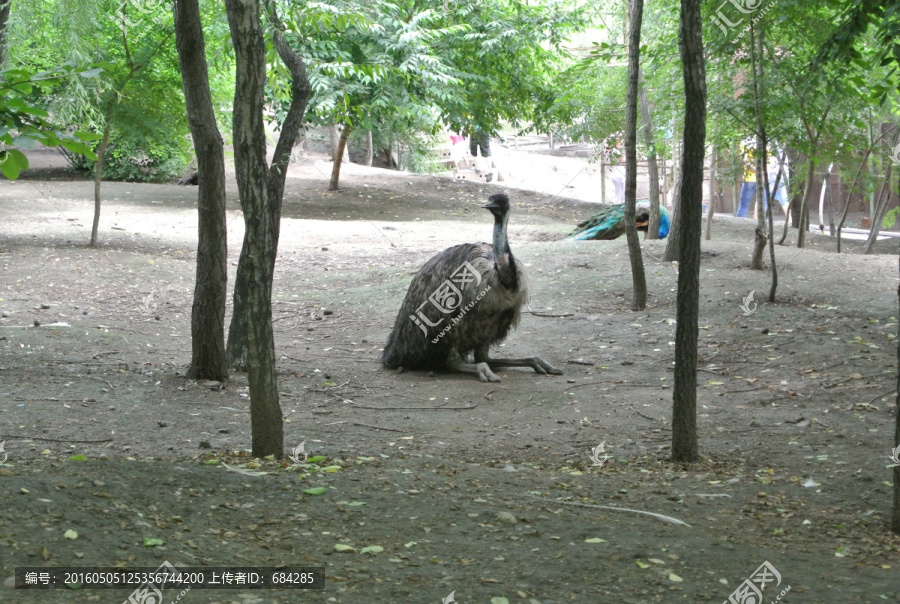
pixel 536 363
pixel 482 370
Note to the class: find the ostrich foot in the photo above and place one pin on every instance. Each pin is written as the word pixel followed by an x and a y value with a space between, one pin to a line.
pixel 537 363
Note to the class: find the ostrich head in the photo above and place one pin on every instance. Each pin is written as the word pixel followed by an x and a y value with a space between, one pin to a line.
pixel 498 205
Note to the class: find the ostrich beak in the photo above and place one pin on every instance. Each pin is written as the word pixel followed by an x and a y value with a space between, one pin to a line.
pixel 490 206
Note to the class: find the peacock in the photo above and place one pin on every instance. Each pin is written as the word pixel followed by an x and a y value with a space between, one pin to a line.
pixel 609 223
pixel 464 300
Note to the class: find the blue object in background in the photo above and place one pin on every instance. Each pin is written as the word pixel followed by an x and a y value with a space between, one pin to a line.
pixel 663 222
pixel 748 194
pixel 609 223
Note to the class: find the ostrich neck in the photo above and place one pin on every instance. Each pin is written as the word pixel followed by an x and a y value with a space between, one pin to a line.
pixel 503 259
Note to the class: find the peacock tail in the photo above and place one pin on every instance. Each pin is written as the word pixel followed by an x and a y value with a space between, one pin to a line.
pixel 609 223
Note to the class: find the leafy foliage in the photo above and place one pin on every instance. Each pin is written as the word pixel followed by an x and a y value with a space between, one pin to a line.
pixel 138 91
pixel 24 122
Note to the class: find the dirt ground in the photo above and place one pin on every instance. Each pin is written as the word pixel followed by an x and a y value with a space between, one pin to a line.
pixel 115 459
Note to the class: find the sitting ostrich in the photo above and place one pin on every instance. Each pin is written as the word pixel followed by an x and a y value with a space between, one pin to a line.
pixel 463 300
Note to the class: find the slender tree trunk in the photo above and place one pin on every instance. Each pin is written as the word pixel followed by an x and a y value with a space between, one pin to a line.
pixel 880 210
pixel 759 239
pixel 249 157
pixel 674 240
pixel 98 178
pixel 830 200
pixel 370 152
pixel 603 174
pixel 333 139
pixel 862 167
pixel 823 196
pixel 713 190
pixel 665 174
pixel 639 281
pixel 762 167
pixel 895 518
pixel 883 199
pixel 652 168
pixel 237 349
pixel 684 404
pixel 208 360
pixel 804 202
pixel 336 166
pixel 794 160
pixel 792 212
pixel 774 286
pixel 4 19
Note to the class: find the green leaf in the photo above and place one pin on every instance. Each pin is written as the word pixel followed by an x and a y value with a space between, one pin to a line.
pixel 371 549
pixel 8 166
pixel 340 547
pixel 18 157
pixel 77 458
pixel 152 542
pixel 88 136
pixel 315 491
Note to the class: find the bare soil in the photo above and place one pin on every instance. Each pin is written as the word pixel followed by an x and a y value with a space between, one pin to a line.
pixel 472 488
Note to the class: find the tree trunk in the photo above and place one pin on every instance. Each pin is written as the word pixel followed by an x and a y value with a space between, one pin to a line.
pixel 840 225
pixel 603 174
pixel 237 349
pixel 830 200
pixel 665 174
pixel 673 241
pixel 684 407
pixel 261 193
pixel 769 217
pixel 336 166
pixel 895 519
pixel 370 152
pixel 762 167
pixel 804 202
pixel 4 18
pixel 208 360
pixel 389 157
pixel 652 168
pixel 333 140
pixel 639 281
pixel 880 210
pixel 98 177
pixel 713 190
